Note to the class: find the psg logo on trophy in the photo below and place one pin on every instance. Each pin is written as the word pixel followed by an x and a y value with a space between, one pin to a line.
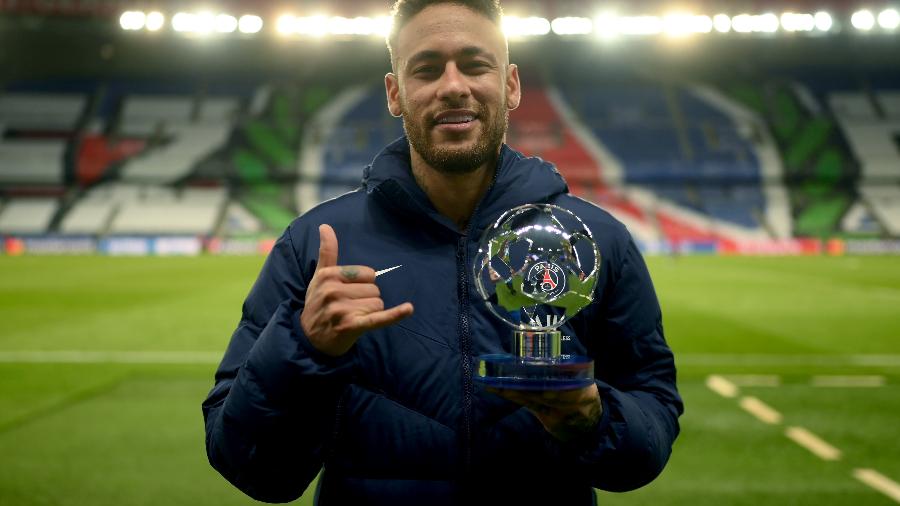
pixel 536 268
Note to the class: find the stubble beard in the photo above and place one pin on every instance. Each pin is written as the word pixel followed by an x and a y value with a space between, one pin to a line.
pixel 460 160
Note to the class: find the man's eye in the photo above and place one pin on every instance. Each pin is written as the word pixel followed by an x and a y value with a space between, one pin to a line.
pixel 426 69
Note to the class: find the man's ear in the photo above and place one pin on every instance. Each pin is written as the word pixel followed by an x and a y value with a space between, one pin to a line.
pixel 513 87
pixel 392 90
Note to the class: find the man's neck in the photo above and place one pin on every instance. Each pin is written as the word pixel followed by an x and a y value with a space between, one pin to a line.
pixel 453 195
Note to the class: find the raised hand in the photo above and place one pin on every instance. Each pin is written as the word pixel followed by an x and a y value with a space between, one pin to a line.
pixel 343 301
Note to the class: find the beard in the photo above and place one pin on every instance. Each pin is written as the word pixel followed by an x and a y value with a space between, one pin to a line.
pixel 458 160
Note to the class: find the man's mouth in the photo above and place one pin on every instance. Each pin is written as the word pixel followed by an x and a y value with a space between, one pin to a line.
pixel 468 118
pixel 455 121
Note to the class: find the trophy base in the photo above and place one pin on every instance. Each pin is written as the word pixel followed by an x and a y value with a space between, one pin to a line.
pixel 517 373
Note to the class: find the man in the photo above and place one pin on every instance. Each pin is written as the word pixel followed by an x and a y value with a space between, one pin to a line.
pixel 373 378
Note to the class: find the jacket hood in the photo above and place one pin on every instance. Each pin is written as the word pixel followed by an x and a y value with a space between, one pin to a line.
pixel 519 180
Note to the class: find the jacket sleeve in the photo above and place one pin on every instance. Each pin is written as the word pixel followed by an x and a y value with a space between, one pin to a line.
pixel 268 417
pixel 635 373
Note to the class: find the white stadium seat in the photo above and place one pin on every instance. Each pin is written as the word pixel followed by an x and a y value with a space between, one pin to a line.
pixel 43 111
pixel 87 218
pixel 32 161
pixel 27 215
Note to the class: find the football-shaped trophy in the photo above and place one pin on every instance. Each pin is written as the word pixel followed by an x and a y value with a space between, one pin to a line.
pixel 536 268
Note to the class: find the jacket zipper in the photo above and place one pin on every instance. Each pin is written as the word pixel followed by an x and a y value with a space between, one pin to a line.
pixel 465 350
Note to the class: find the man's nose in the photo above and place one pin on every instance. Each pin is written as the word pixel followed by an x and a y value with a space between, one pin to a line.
pixel 453 83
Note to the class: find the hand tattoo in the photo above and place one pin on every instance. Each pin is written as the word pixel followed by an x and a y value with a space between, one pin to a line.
pixel 350 273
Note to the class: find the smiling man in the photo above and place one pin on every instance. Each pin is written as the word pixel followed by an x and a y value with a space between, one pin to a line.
pixel 359 360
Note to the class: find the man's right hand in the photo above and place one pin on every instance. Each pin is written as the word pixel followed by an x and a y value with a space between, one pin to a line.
pixel 343 301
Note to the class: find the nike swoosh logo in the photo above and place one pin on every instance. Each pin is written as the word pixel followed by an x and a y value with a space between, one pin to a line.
pixel 385 271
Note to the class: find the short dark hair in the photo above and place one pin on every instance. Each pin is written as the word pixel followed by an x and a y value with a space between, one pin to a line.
pixel 404 10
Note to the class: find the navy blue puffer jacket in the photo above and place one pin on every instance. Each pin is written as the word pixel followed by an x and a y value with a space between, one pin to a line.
pixel 398 419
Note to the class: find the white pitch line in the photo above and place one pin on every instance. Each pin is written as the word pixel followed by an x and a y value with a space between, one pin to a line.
pixel 816 445
pixel 762 359
pixel 721 386
pixel 755 380
pixel 110 357
pixel 879 482
pixel 848 381
pixel 761 410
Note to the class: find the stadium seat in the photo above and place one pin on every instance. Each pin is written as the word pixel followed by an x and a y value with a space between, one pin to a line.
pixel 41 111
pixel 32 161
pixel 27 215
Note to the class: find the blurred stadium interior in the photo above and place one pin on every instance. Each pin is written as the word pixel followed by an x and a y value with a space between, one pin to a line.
pixel 709 127
pixel 710 131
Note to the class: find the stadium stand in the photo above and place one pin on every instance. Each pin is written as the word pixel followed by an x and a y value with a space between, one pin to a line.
pixel 674 162
pixel 27 215
pixel 819 169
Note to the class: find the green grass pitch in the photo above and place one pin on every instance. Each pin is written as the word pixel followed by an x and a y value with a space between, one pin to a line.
pixel 113 430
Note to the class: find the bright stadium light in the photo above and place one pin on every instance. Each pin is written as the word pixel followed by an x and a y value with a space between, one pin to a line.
pixel 359 26
pixel 639 25
pixel 205 23
pixel 824 21
pixel 514 26
pixel 678 25
pixel 314 26
pixel 767 23
pixel 572 26
pixel 285 24
pixel 722 23
pixel 889 19
pixel 155 21
pixel 863 20
pixel 794 22
pixel 184 22
pixel 742 23
pixel 606 25
pixel 132 20
pixel 249 24
pixel 383 26
pixel 226 23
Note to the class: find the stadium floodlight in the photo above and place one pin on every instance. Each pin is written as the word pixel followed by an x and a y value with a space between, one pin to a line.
pixel 794 22
pixel 226 23
pixel 205 23
pixel 514 26
pixel 742 23
pixel 285 24
pixel 889 19
pixel 863 20
pixel 132 20
pixel 184 22
pixel 155 21
pixel 572 26
pixel 722 23
pixel 639 25
pixel 824 21
pixel 248 23
pixel 383 26
pixel 766 23
pixel 312 26
pixel 606 25
pixel 359 25
pixel 678 25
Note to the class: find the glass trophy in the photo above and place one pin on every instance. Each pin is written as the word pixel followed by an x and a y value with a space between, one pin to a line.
pixel 536 268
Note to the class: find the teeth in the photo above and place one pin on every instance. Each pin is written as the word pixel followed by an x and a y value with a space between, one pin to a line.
pixel 457 119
